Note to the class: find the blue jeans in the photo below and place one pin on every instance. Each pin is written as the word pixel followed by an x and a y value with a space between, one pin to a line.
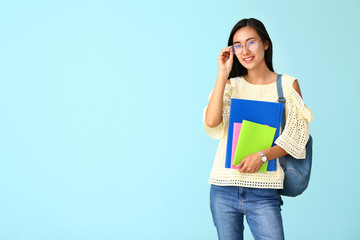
pixel 261 207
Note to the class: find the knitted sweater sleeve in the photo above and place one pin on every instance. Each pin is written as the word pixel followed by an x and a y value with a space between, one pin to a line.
pixel 219 131
pixel 295 135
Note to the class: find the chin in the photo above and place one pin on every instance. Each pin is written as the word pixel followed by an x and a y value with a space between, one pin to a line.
pixel 248 66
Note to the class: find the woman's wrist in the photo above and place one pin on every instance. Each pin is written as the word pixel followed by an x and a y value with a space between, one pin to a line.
pixel 274 152
pixel 223 75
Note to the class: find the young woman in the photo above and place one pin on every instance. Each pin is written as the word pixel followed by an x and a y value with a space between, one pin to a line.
pixel 246 72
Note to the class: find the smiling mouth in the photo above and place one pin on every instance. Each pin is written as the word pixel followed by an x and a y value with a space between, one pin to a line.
pixel 248 60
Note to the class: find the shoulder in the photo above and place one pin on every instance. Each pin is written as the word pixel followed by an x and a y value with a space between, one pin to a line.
pixel 233 81
pixel 234 85
pixel 287 79
pixel 290 82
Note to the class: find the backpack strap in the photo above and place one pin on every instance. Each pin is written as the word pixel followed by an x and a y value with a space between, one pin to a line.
pixel 281 99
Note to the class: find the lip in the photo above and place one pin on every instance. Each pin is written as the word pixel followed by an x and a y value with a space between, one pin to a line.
pixel 249 59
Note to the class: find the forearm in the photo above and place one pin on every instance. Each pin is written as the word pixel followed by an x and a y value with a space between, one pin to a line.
pixel 215 106
pixel 253 162
pixel 274 152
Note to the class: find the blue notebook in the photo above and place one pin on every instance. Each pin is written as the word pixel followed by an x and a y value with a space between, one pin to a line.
pixel 266 113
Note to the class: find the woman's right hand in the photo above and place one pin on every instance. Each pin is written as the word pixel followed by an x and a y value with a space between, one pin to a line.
pixel 225 60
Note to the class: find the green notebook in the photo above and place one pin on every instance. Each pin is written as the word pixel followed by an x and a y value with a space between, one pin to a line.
pixel 253 137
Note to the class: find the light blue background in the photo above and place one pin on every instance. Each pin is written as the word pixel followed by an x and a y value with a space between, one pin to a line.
pixel 101 102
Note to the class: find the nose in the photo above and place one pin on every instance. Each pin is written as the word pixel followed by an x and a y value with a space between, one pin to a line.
pixel 244 50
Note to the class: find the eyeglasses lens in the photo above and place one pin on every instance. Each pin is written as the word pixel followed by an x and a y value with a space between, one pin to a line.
pixel 251 46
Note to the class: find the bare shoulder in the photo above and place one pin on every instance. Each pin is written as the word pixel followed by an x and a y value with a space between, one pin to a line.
pixel 292 80
pixel 296 86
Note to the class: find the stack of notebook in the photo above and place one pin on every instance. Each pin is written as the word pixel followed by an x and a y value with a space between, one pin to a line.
pixel 253 126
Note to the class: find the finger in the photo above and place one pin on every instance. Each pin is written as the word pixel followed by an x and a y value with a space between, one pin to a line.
pixel 240 165
pixel 223 50
pixel 243 166
pixel 223 56
pixel 231 54
pixel 224 53
pixel 226 50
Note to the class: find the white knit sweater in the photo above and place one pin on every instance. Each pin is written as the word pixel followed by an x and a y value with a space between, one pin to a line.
pixel 293 139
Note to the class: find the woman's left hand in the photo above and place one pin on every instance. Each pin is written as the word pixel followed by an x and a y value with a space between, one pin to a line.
pixel 251 163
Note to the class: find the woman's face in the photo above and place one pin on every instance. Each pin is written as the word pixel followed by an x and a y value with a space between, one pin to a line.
pixel 248 37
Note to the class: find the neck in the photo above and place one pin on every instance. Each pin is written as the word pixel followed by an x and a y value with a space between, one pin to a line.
pixel 260 75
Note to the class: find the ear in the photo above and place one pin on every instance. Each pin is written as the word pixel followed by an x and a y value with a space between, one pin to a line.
pixel 266 45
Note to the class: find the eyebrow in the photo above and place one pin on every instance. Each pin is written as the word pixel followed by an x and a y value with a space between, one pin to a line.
pixel 245 40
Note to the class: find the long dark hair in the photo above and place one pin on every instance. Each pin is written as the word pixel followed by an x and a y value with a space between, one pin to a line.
pixel 238 69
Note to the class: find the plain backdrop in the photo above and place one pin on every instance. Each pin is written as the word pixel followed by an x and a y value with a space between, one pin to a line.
pixel 101 133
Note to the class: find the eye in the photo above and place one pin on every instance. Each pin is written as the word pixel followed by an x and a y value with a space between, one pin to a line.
pixel 237 46
pixel 251 43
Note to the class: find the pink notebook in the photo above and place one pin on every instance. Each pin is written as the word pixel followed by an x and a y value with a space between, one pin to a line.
pixel 236 132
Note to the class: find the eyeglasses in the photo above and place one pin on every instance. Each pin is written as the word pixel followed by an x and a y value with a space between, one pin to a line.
pixel 237 48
